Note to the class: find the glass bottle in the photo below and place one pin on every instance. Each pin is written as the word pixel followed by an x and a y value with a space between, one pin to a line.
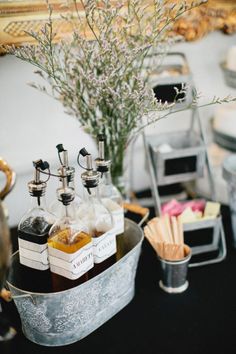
pixel 56 207
pixel 98 219
pixel 70 244
pixel 33 232
pixel 110 195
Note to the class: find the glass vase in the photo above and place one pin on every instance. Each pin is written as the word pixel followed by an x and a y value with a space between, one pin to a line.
pixel 120 170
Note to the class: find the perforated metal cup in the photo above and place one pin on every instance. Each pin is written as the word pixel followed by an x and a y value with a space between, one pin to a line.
pixel 174 273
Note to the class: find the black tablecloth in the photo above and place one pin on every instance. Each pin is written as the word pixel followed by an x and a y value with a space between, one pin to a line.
pixel 200 320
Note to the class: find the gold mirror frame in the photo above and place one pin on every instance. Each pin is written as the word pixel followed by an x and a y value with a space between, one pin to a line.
pixel 10 178
pixel 214 15
pixel 16 17
pixel 19 16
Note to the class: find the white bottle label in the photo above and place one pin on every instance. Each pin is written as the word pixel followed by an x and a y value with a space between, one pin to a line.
pixel 33 255
pixel 119 221
pixel 117 212
pixel 71 265
pixel 104 246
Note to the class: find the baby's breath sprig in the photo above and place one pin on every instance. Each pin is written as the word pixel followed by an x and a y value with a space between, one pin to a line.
pixel 101 73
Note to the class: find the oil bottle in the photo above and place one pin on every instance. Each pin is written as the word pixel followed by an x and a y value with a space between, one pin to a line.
pixel 98 219
pixel 70 243
pixel 33 229
pixel 110 195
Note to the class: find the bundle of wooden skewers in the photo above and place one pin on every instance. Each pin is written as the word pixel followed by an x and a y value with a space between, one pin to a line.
pixel 166 236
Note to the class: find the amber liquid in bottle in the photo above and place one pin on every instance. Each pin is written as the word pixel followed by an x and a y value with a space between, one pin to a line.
pixel 61 241
pixel 30 279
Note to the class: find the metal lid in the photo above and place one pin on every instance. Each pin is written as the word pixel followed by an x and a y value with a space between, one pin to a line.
pixel 70 173
pixel 102 165
pixel 90 178
pixel 37 187
pixel 65 194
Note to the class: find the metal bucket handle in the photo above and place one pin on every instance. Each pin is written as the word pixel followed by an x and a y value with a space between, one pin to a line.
pixel 137 209
pixel 10 178
pixel 5 235
pixel 25 295
pixel 21 296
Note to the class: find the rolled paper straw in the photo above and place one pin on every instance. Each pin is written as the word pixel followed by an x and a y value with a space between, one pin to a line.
pixel 156 233
pixel 148 233
pixel 150 239
pixel 169 252
pixel 153 225
pixel 180 252
pixel 151 230
pixel 161 231
pixel 168 227
pixel 164 250
pixel 164 230
pixel 160 249
pixel 175 230
pixel 181 231
pixel 165 235
pixel 153 221
pixel 177 254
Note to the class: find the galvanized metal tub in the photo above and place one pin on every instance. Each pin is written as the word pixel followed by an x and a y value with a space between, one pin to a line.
pixel 65 317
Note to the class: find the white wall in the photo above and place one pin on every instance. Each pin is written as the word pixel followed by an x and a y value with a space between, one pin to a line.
pixel 32 123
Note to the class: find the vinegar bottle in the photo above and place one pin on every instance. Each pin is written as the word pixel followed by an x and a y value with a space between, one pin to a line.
pixel 110 195
pixel 98 219
pixel 70 244
pixel 33 232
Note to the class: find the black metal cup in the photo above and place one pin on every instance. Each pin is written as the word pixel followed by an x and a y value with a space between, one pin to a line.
pixel 174 273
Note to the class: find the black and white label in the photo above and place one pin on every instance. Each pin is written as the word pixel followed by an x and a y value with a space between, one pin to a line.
pixel 104 246
pixel 71 265
pixel 119 221
pixel 33 255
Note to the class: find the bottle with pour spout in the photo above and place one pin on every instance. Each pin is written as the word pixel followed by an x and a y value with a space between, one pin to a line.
pixel 70 243
pixel 56 207
pixel 98 219
pixel 33 232
pixel 110 195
